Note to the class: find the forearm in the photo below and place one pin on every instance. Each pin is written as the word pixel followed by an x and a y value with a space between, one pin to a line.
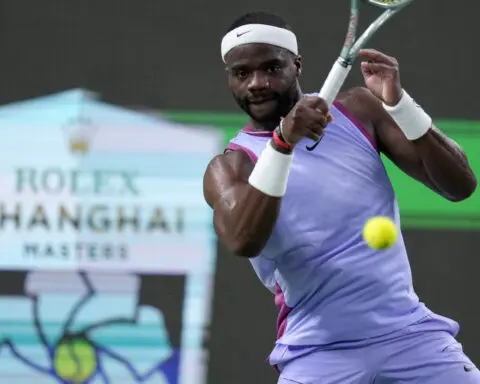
pixel 446 165
pixel 442 164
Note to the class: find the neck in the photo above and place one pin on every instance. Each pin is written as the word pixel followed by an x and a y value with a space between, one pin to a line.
pixel 272 124
pixel 264 126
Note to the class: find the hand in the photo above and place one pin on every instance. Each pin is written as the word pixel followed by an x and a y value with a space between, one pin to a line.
pixel 381 75
pixel 308 118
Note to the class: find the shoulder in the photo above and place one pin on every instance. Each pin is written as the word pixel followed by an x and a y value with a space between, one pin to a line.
pixel 360 96
pixel 224 171
pixel 226 168
pixel 233 159
pixel 363 104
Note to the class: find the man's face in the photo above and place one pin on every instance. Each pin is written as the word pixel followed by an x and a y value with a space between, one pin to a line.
pixel 264 80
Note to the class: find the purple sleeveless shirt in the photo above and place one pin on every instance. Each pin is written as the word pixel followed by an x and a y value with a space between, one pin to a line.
pixel 329 285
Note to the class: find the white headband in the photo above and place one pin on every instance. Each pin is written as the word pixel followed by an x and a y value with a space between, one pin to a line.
pixel 259 33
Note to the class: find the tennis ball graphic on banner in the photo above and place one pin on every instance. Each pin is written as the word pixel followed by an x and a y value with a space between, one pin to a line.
pixel 75 360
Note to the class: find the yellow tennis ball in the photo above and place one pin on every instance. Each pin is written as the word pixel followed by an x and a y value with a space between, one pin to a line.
pixel 75 360
pixel 380 232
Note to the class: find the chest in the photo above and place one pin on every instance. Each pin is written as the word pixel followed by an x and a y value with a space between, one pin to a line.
pixel 341 181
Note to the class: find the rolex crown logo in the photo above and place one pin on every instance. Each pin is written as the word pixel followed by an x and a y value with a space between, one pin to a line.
pixel 79 145
pixel 80 133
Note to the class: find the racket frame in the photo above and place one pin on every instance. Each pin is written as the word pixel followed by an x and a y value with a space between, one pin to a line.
pixel 341 68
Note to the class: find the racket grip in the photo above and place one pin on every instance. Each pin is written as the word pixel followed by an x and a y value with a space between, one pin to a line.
pixel 334 82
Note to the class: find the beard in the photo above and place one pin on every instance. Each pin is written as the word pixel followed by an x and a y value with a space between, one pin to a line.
pixel 269 112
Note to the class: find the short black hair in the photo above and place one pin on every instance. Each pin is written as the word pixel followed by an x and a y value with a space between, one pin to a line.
pixel 260 17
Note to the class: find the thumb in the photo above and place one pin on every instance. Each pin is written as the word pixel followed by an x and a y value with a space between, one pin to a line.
pixel 365 68
pixel 329 117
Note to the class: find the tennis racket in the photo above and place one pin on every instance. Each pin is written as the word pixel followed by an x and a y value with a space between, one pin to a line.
pixel 343 65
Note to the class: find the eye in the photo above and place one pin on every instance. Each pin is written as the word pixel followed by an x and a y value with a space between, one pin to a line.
pixel 274 69
pixel 241 74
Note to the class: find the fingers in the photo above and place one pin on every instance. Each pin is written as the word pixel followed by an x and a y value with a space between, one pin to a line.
pixel 318 121
pixel 372 68
pixel 318 117
pixel 321 119
pixel 312 136
pixel 315 110
pixel 316 102
pixel 377 56
pixel 308 118
pixel 329 117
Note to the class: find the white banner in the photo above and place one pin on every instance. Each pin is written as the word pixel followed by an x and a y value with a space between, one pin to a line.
pixel 107 248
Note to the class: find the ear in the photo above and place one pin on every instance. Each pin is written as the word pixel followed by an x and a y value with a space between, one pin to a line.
pixel 298 64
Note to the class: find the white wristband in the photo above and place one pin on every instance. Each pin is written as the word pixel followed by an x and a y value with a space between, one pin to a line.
pixel 271 172
pixel 410 117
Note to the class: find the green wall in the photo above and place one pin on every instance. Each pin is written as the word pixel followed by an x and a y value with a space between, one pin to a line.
pixel 420 207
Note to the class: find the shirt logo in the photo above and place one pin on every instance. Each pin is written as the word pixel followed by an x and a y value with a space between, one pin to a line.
pixel 468 367
pixel 312 147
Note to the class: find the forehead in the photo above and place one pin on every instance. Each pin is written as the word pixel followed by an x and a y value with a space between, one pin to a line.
pixel 254 54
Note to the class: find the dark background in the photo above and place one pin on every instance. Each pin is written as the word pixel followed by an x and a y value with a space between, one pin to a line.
pixel 166 55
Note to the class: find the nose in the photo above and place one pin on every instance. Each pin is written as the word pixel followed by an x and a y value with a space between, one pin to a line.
pixel 258 82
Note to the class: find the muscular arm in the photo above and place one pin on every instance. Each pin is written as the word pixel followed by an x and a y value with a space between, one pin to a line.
pixel 434 159
pixel 244 217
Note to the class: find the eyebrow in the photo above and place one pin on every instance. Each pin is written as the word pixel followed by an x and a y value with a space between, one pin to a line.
pixel 263 64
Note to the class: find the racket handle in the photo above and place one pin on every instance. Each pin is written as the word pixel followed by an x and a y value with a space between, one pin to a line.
pixel 334 82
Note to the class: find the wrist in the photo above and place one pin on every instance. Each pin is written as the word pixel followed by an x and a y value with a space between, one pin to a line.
pixel 279 143
pixel 395 100
pixel 410 117
pixel 271 172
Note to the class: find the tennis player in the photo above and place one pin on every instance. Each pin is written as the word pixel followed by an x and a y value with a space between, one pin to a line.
pixel 348 313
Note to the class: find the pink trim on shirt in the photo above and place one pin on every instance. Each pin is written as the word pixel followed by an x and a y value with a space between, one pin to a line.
pixel 252 131
pixel 357 123
pixel 237 147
